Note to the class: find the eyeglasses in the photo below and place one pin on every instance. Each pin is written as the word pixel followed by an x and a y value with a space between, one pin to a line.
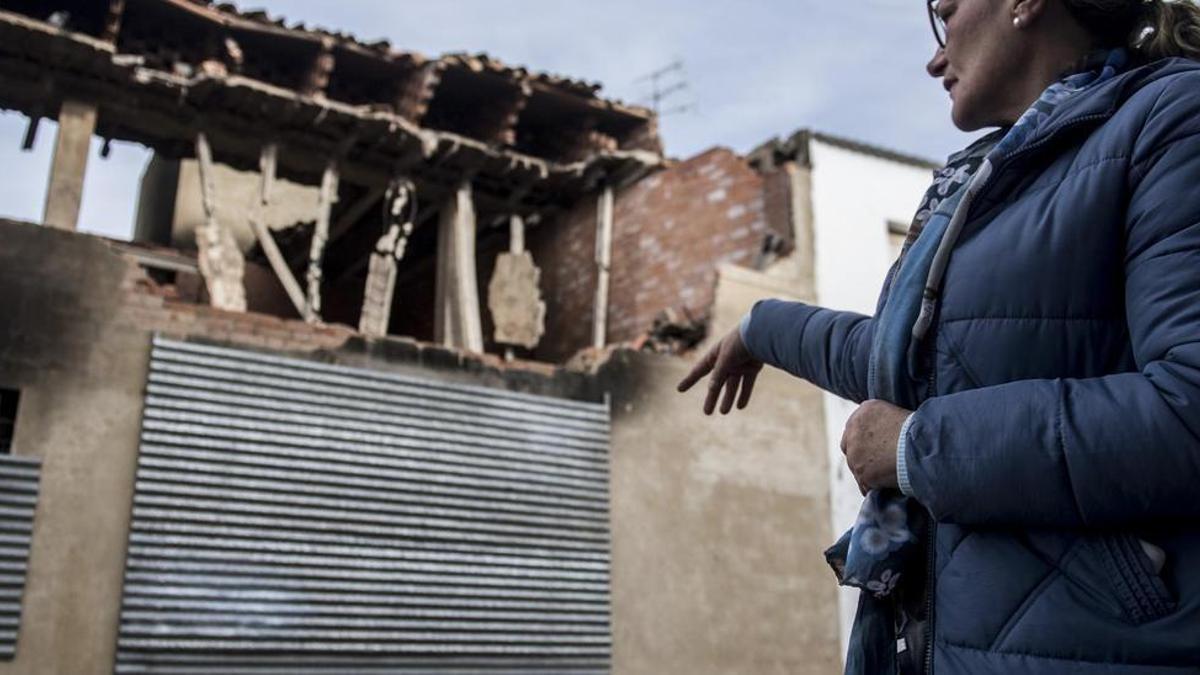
pixel 939 24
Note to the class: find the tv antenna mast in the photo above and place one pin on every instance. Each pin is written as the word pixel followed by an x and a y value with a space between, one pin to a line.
pixel 665 83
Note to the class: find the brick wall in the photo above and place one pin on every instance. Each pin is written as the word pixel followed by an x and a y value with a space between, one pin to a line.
pixel 565 250
pixel 150 307
pixel 671 231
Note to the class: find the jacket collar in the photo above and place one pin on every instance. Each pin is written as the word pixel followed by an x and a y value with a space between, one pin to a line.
pixel 1088 109
pixel 1102 101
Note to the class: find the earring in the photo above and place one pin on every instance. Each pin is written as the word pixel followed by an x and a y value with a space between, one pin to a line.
pixel 1017 21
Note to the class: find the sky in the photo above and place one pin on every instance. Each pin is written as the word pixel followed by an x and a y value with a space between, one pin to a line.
pixel 755 69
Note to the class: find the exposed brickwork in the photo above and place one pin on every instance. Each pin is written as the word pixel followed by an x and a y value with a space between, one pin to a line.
pixel 671 231
pixel 147 306
pixel 565 250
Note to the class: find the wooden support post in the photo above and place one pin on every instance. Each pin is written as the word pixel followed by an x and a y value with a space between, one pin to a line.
pixel 456 315
pixel 76 124
pixel 266 164
pixel 389 250
pixel 516 234
pixel 316 252
pixel 604 233
pixel 220 259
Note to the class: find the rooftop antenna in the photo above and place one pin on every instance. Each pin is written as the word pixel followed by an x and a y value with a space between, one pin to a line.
pixel 665 83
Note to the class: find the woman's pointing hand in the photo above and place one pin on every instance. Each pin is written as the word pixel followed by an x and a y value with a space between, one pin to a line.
pixel 732 368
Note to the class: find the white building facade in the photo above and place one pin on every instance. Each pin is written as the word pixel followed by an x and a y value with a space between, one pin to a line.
pixel 852 205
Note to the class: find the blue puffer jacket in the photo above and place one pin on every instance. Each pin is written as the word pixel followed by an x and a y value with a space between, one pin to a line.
pixel 1064 420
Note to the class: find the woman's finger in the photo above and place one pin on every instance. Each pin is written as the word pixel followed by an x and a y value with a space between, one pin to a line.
pixel 702 368
pixel 731 388
pixel 714 391
pixel 747 388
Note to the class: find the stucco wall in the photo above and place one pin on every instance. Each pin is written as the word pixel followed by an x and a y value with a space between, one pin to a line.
pixel 718 528
pixel 237 192
pixel 719 523
pixel 80 378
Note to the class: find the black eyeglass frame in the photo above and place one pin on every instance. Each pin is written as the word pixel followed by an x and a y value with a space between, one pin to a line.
pixel 936 22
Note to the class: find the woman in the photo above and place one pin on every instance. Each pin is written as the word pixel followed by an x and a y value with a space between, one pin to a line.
pixel 1031 445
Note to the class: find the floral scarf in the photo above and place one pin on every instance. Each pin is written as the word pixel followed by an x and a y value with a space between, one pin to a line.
pixel 879 549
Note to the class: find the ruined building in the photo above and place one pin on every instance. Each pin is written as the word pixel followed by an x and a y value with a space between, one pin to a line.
pixel 385 380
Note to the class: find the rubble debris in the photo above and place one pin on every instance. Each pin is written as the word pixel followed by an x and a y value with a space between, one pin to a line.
pixel 220 259
pixel 329 188
pixel 400 210
pixel 673 334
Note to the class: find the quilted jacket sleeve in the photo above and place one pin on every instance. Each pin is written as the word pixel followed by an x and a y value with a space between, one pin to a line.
pixel 826 347
pixel 1105 451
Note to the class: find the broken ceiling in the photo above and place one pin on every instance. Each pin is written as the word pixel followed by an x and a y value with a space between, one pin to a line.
pixel 163 70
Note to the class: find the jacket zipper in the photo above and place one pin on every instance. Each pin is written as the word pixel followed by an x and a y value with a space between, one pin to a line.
pixel 931 553
pixel 1005 161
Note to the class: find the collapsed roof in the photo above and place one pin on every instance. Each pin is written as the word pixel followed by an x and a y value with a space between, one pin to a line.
pixel 163 70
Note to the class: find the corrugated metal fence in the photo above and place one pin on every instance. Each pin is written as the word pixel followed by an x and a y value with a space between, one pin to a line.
pixel 297 517
pixel 18 500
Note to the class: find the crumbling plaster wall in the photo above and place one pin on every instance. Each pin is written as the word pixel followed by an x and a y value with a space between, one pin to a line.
pixel 237 193
pixel 80 376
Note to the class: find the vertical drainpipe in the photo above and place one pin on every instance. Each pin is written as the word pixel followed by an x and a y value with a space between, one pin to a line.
pixel 604 233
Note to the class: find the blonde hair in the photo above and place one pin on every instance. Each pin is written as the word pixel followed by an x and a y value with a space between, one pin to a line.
pixel 1151 29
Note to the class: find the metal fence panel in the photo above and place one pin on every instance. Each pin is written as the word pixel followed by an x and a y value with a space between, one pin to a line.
pixel 298 517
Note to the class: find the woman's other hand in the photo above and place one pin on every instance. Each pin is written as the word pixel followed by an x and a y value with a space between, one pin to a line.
pixel 869 444
pixel 732 368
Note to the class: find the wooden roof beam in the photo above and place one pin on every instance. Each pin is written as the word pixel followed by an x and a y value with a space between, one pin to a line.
pixel 316 80
pixel 112 22
pixel 412 100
